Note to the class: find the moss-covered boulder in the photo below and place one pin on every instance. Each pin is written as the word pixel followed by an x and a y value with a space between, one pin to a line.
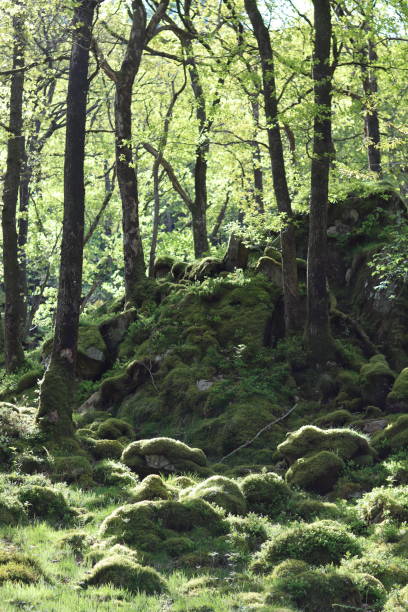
pixel 113 474
pixel 147 524
pixel 178 270
pixel 162 266
pixel 316 590
pixel 337 418
pixel 376 379
pixel 45 504
pixel 157 455
pixel 390 571
pixel 107 449
pixel 393 438
pixel 346 443
pixel 72 469
pixel 397 601
pixel 384 503
pixel 221 491
pixel 18 567
pixel 397 399
pixel 317 473
pixel 266 493
pixel 271 268
pixel 12 511
pixel 317 543
pixel 124 573
pixel 203 268
pixel 151 488
pixel 113 330
pixel 113 429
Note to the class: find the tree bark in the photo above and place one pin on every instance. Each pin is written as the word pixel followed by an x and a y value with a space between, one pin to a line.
pixel 371 118
pixel 55 410
pixel 257 160
pixel 288 242
pixel 156 216
pixel 318 336
pixel 15 308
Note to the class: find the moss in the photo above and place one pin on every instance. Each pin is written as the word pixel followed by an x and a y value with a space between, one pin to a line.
pixel 163 454
pixel 397 399
pixel 162 266
pixel 273 252
pixel 221 491
pixel 77 541
pixel 176 546
pixel 55 409
pixel 178 270
pixel 310 509
pixel 44 503
pixel 397 601
pixel 107 449
pixel 113 473
pixel 247 533
pixel 12 511
pixel 73 469
pixel 17 567
pixel 334 419
pixel 266 493
pixel 307 440
pixel 318 543
pixel 126 574
pixel 202 268
pixel 146 524
pixel 384 503
pixel 317 473
pixel 376 378
pixel 320 589
pixel 182 482
pixel 372 591
pixel 151 488
pixel 29 380
pixel 288 568
pixel 112 429
pixel 28 463
pixel 390 571
pixel 394 437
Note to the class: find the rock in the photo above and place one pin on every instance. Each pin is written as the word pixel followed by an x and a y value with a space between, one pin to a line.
pixel 266 494
pixel 162 266
pixel 376 378
pixel 163 454
pixel 151 488
pixel 236 255
pixel 123 573
pixel 91 404
pixel 393 438
pixel 271 268
pixel 204 385
pixel 317 473
pixel 113 330
pixel 397 399
pixel 373 426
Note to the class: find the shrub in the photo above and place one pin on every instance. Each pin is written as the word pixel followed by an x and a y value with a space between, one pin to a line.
pixel 318 543
pixel 44 503
pixel 12 511
pixel 266 494
pixel 247 533
pixel 17 567
pixel 397 601
pixel 126 574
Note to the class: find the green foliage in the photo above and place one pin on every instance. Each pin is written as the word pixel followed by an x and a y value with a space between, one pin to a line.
pixel 384 503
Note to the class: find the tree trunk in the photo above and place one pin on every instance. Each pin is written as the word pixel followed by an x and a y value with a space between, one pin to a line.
pixel 318 336
pixel 55 410
pixel 371 119
pixel 257 160
pixel 14 315
pixel 156 217
pixel 288 242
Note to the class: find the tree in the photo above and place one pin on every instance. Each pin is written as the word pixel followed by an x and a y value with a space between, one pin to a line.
pixel 288 243
pixel 15 307
pixel 318 336
pixel 55 409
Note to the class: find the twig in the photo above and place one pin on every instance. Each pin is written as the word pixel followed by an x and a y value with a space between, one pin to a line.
pixel 261 431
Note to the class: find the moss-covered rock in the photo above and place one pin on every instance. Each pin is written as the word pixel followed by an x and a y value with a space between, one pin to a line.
pixel 221 491
pixel 12 511
pixel 126 574
pixel 393 438
pixel 147 524
pixel 337 418
pixel 317 473
pixel 397 601
pixel 162 266
pixel 397 399
pixel 44 503
pixel 390 571
pixel 114 329
pixel 311 509
pixel 266 493
pixel 318 543
pixel 113 474
pixel 376 379
pixel 107 449
pixel 73 469
pixel 178 270
pixel 151 488
pixel 288 568
pixel 202 268
pixel 29 380
pixel 384 503
pixel 247 533
pixel 157 455
pixel 112 429
pixel 307 440
pixel 17 567
pixel 312 590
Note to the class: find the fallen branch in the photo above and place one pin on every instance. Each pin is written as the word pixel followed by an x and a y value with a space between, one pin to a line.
pixel 260 432
pixel 368 344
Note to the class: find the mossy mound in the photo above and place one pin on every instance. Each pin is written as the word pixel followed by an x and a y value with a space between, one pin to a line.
pixel 113 429
pixel 163 455
pixel 146 525
pixel 151 488
pixel 376 379
pixel 317 473
pixel 113 473
pixel 221 491
pixel 73 469
pixel 312 509
pixel 17 567
pixel 384 503
pixel 12 511
pixel 318 543
pixel 102 550
pixel 337 418
pixel 266 494
pixel 162 266
pixel 312 590
pixel 107 449
pixel 397 601
pixel 397 399
pixel 247 533
pixel 393 438
pixel 288 568
pixel 45 504
pixel 346 443
pixel 125 574
pixel 390 571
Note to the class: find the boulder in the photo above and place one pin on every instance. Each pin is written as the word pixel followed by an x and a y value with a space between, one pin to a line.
pixel 266 494
pixel 221 491
pixel 397 399
pixel 113 330
pixel 271 268
pixel 157 455
pixel 317 473
pixel 393 438
pixel 376 379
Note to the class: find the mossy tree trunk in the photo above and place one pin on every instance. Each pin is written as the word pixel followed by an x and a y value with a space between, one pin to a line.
pixel 15 306
pixel 288 242
pixel 371 118
pixel 318 336
pixel 55 409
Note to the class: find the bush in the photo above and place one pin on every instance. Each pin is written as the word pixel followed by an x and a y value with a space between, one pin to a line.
pixel 317 473
pixel 247 533
pixel 17 567
pixel 318 543
pixel 391 571
pixel 123 573
pixel 44 503
pixel 12 511
pixel 266 494
pixel 221 491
